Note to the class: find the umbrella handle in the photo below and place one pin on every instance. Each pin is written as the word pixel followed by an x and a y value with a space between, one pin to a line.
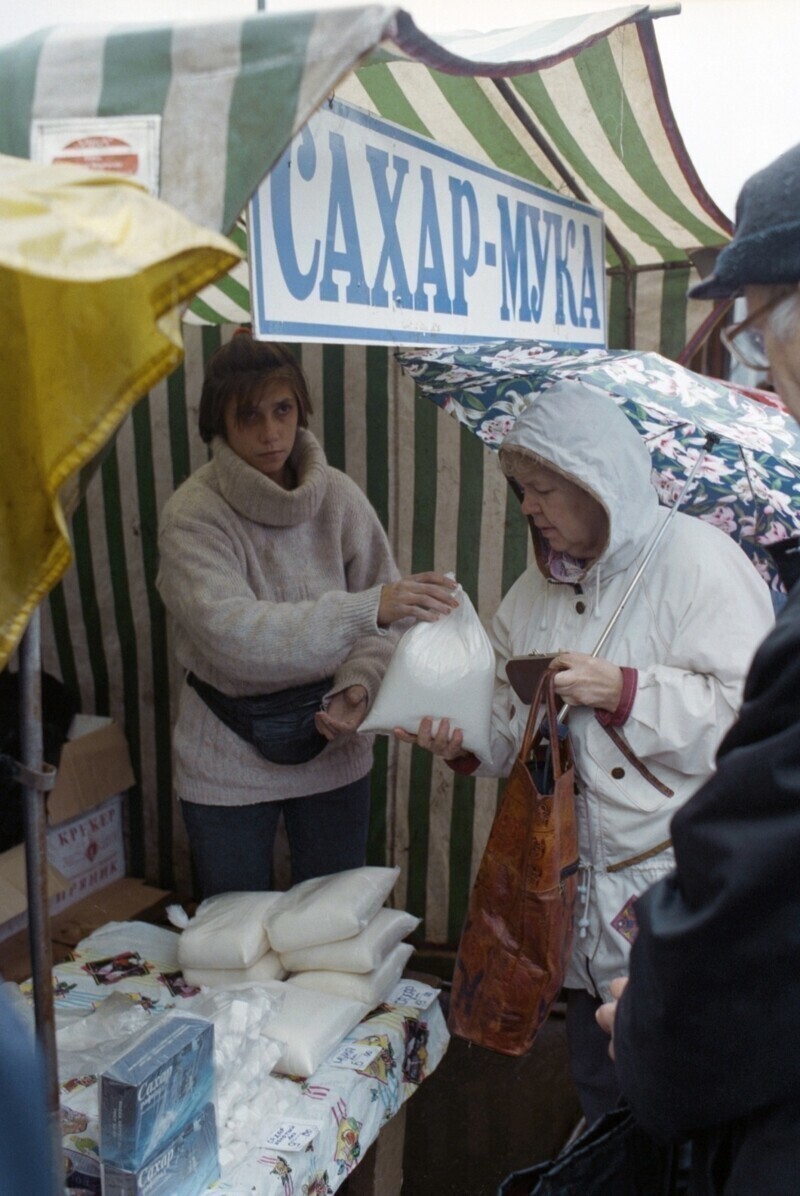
pixel 712 439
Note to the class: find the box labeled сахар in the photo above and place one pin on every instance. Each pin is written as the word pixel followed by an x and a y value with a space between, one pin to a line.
pixel 185 1166
pixel 154 1088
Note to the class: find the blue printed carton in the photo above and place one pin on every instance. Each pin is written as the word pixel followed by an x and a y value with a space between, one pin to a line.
pixel 154 1089
pixel 186 1166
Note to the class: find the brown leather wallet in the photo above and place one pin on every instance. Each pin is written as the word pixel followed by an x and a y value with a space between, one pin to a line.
pixel 523 673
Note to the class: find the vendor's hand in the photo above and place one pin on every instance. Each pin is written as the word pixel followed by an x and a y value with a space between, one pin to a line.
pixel 424 597
pixel 443 744
pixel 588 680
pixel 345 713
pixel 606 1014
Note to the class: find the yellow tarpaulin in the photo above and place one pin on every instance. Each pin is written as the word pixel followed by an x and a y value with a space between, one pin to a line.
pixel 93 272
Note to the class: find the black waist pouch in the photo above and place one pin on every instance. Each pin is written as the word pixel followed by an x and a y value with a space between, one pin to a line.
pixel 280 726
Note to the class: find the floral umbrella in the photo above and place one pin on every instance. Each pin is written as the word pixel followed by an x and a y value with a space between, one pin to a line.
pixel 748 485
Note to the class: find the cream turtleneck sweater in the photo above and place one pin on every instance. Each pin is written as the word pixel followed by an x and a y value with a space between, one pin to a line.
pixel 269 588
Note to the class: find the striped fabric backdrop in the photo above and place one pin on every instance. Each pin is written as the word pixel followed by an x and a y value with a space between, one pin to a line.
pixel 444 503
pixel 593 121
pixel 595 126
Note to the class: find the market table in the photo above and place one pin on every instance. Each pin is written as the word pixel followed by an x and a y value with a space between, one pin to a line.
pixel 350 1105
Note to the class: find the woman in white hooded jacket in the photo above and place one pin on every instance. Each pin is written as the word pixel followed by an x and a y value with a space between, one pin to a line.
pixel 647 717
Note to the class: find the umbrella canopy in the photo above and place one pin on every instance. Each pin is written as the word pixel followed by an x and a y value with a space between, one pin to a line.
pixel 93 273
pixel 748 485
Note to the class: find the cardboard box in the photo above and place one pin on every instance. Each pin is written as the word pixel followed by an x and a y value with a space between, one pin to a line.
pixel 84 855
pixel 154 1089
pixel 88 851
pixel 121 901
pixel 85 842
pixel 14 885
pixel 95 764
pixel 185 1166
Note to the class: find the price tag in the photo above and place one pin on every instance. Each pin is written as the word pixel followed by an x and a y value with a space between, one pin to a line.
pixel 355 1055
pixel 411 993
pixel 290 1135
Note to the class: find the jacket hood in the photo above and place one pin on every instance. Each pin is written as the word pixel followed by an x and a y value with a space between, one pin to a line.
pixel 582 434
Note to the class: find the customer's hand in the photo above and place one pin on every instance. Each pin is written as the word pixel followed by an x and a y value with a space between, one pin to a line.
pixel 443 744
pixel 606 1014
pixel 584 680
pixel 345 713
pixel 424 597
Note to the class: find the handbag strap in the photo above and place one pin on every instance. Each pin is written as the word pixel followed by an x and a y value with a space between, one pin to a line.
pixel 534 729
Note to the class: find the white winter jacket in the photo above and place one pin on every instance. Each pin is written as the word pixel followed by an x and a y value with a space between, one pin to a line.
pixel 690 628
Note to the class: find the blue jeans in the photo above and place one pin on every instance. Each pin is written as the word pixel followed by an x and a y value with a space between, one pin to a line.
pixel 232 845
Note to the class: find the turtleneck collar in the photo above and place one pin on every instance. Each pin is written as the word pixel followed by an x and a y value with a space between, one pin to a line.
pixel 257 497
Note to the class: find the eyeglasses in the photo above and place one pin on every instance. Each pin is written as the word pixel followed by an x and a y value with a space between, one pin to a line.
pixel 745 341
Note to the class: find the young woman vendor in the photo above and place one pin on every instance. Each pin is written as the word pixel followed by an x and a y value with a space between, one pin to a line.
pixel 281 587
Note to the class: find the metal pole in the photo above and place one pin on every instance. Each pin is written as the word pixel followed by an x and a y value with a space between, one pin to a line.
pixel 30 676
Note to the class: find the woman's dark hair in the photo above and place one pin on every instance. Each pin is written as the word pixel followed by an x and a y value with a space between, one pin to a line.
pixel 242 368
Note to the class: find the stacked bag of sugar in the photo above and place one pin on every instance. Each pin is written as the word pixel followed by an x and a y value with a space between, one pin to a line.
pixel 332 933
pixel 225 943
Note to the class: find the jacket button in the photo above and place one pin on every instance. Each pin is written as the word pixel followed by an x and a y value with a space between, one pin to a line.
pixel 580 607
pixel 618 773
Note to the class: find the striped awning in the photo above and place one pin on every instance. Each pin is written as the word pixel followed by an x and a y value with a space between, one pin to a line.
pixel 577 104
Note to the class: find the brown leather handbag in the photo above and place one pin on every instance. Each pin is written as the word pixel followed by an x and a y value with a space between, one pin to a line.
pixel 518 932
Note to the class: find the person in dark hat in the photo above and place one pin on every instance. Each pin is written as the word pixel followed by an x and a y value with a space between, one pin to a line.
pixel 762 263
pixel 705 1031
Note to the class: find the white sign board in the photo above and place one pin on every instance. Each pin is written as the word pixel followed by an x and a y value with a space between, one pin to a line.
pixel 127 145
pixel 367 232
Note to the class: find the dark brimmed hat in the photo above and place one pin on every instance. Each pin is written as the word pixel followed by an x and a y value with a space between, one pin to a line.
pixel 765 249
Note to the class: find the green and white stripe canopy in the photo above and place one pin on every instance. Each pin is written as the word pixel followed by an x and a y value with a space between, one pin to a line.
pixel 577 104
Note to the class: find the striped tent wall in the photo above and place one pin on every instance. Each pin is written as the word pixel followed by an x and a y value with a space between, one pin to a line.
pixel 445 505
pixel 586 116
pixel 596 127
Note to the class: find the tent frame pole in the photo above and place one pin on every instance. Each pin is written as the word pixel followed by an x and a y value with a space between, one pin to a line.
pixel 35 818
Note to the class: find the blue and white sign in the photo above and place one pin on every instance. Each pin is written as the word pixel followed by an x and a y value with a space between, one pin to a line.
pixel 367 232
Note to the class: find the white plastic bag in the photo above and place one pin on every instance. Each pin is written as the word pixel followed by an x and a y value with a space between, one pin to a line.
pixel 370 987
pixel 227 931
pixel 268 967
pixel 362 953
pixel 326 909
pixel 440 670
pixel 244 1056
pixel 309 1025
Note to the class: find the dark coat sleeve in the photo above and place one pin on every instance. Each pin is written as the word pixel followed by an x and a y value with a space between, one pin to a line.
pixel 26 1160
pixel 706 1031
